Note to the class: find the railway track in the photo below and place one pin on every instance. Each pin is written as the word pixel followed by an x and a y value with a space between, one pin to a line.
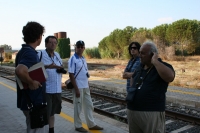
pixel 116 108
pixel 112 104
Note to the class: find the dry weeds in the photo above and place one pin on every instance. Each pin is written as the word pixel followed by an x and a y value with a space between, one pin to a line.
pixel 187 71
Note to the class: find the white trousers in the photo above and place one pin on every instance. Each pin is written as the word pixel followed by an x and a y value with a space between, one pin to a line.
pixel 44 129
pixel 85 101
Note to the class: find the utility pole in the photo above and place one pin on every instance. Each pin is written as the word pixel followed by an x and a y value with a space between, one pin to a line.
pixel 1 58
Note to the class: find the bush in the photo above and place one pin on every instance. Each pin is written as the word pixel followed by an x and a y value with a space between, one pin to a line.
pixel 126 54
pixel 107 54
pixel 92 53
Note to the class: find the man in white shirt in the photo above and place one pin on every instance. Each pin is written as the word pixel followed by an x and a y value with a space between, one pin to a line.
pixel 78 73
pixel 54 69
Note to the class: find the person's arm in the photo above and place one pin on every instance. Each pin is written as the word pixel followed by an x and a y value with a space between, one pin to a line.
pixel 166 73
pixel 52 66
pixel 127 75
pixel 22 73
pixel 73 81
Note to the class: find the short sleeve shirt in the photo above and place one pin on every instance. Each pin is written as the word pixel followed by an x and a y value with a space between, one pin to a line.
pixel 28 56
pixel 53 82
pixel 150 95
pixel 74 65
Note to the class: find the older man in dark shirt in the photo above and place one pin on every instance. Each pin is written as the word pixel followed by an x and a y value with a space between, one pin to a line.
pixel 146 113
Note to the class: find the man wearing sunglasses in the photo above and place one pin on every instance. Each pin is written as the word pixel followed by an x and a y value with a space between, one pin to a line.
pixel 78 73
pixel 133 50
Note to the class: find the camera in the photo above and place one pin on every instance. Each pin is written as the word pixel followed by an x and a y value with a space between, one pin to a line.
pixel 88 75
pixel 61 70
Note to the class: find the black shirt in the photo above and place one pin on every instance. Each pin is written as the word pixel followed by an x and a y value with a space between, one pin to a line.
pixel 151 96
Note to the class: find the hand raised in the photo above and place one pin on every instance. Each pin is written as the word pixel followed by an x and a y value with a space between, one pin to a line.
pixel 154 58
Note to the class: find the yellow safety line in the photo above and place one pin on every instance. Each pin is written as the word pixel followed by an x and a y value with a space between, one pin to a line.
pixel 63 115
pixel 69 118
pixel 8 86
pixel 169 89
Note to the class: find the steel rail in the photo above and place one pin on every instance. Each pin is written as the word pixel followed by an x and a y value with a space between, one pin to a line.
pixel 172 114
pixel 184 117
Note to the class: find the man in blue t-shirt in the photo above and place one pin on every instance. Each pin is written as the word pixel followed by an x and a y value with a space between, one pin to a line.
pixel 146 111
pixel 27 57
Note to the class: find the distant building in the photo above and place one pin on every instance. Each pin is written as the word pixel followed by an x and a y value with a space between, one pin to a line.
pixel 14 55
pixel 60 35
pixel 12 52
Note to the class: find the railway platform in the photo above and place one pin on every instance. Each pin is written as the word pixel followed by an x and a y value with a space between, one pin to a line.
pixel 12 119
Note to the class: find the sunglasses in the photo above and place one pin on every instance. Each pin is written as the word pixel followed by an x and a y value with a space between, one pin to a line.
pixel 52 42
pixel 80 47
pixel 135 48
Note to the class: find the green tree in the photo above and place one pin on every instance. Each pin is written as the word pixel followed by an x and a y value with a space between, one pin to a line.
pixel 124 36
pixel 116 42
pixel 102 44
pixel 112 44
pixel 184 34
pixel 159 34
pixel 141 35
pixel 159 37
pixel 103 48
pixel 63 47
pixel 6 47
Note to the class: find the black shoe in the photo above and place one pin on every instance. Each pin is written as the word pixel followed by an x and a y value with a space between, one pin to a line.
pixel 81 129
pixel 96 128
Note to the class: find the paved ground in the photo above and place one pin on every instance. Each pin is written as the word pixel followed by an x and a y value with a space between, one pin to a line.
pixel 12 119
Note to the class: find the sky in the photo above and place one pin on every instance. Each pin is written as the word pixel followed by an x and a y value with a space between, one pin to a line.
pixel 88 20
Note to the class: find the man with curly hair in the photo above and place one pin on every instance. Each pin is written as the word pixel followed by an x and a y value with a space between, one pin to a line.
pixel 27 57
